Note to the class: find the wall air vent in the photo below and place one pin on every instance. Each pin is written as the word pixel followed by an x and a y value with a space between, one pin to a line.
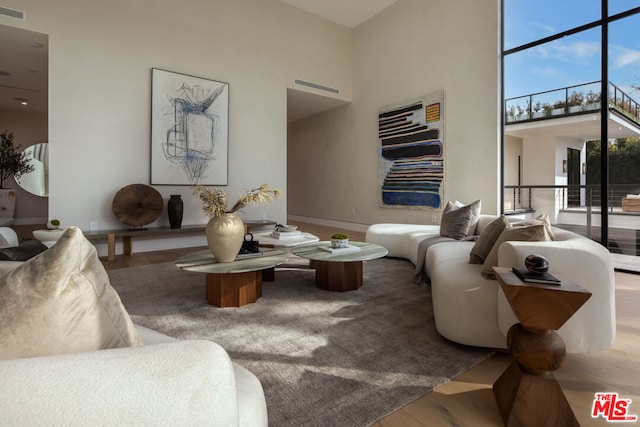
pixel 18 14
pixel 316 86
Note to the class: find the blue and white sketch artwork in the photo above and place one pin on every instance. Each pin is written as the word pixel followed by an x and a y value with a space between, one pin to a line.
pixel 189 130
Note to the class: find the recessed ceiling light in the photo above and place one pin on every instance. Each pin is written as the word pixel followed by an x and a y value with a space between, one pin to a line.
pixel 23 101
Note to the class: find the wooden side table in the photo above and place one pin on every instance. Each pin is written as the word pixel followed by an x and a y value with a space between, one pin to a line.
pixel 527 393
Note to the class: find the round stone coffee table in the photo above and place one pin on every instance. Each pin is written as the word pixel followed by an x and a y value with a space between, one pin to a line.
pixel 236 283
pixel 340 270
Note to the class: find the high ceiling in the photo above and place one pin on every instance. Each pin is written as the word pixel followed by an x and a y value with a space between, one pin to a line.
pixel 24 59
pixel 348 13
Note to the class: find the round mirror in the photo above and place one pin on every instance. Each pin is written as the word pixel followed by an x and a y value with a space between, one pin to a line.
pixel 37 181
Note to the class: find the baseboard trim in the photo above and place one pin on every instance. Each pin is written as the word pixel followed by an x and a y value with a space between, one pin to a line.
pixel 328 222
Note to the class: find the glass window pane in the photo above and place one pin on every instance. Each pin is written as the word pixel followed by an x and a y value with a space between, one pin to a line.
pixel 619 6
pixel 552 108
pixel 526 21
pixel 570 61
pixel 624 137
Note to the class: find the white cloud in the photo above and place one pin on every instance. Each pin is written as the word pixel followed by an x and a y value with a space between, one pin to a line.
pixel 622 56
pixel 546 29
pixel 575 52
pixel 545 72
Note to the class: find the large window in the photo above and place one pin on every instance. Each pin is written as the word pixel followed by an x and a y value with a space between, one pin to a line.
pixel 571 114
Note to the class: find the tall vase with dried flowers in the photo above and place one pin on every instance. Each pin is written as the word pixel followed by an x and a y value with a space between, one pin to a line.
pixel 225 230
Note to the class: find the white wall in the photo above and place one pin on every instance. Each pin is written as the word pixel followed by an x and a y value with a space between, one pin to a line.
pixel 412 49
pixel 512 150
pixel 101 55
pixel 512 171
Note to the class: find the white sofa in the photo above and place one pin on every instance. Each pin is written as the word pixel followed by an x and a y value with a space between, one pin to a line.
pixel 156 380
pixel 470 309
pixel 164 382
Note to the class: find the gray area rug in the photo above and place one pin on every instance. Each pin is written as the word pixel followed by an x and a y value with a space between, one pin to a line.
pixel 324 358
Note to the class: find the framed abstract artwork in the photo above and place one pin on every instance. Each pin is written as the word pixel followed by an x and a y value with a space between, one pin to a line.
pixel 189 130
pixel 411 138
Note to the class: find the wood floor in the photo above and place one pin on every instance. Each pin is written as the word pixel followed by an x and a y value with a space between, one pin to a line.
pixel 468 400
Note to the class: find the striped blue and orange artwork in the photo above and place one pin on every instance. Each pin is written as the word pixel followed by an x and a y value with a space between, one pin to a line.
pixel 412 153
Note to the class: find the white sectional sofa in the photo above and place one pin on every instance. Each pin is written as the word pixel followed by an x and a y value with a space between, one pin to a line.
pixel 470 309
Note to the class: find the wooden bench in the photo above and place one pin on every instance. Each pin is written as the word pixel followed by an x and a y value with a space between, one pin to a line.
pixel 127 236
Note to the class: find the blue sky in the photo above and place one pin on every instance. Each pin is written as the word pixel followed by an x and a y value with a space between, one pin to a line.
pixel 572 60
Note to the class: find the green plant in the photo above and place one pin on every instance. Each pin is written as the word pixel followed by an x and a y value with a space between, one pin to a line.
pixel 12 162
pixel 537 107
pixel 559 104
pixel 576 98
pixel 593 98
pixel 340 236
pixel 55 222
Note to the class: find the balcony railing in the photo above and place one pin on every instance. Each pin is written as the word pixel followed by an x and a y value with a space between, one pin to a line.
pixel 569 101
pixel 521 197
pixel 577 208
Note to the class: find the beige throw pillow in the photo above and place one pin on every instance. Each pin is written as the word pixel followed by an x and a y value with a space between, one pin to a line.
pixel 532 233
pixel 458 221
pixel 540 219
pixel 486 240
pixel 61 301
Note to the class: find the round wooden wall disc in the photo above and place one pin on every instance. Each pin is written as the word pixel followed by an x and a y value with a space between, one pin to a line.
pixel 137 204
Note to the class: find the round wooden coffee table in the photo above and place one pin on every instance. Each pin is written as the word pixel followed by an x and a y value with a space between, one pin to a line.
pixel 340 270
pixel 236 283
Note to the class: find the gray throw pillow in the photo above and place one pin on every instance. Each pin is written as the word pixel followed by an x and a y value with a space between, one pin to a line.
pixel 532 233
pixel 26 250
pixel 459 222
pixel 486 240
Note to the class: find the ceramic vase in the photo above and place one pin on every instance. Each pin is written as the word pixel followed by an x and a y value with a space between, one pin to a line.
pixel 174 210
pixel 225 234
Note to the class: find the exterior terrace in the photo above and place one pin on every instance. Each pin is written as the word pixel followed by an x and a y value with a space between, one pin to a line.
pixel 546 137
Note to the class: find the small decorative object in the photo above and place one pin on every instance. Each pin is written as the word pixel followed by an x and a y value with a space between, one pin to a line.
pixel 339 240
pixel 536 263
pixel 286 228
pixel 225 230
pixel 53 224
pixel 137 205
pixel 174 210
pixel 250 246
